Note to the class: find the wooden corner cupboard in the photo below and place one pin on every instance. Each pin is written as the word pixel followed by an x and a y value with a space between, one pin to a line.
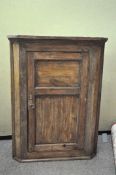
pixel 56 89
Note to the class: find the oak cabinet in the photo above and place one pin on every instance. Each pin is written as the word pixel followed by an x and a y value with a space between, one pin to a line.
pixel 56 89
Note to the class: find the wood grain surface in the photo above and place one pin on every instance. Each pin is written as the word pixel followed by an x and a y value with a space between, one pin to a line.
pixel 56 89
pixel 57 73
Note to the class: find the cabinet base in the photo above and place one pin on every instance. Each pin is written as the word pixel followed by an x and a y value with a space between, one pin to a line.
pixel 54 159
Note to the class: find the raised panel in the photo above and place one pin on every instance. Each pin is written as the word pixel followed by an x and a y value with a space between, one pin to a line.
pixel 56 73
pixel 56 119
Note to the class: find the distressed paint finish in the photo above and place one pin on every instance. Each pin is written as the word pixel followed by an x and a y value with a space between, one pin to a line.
pixel 56 90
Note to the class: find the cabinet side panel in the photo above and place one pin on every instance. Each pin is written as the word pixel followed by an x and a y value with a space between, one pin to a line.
pixel 16 99
pixel 12 98
pixel 94 89
pixel 99 97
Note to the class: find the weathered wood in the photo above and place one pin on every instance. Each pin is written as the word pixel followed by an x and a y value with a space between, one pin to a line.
pixel 83 99
pixel 16 95
pixel 56 89
pixel 28 37
pixel 23 101
pixel 61 113
pixel 12 100
pixel 61 56
pixel 57 73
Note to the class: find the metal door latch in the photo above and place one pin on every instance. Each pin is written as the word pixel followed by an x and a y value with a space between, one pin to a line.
pixel 30 102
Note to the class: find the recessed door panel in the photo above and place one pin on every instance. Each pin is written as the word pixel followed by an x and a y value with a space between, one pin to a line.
pixel 56 73
pixel 57 123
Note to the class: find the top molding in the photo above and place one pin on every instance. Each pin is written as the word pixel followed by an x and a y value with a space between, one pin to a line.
pixel 29 37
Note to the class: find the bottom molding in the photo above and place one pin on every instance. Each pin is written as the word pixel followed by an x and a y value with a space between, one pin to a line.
pixel 55 159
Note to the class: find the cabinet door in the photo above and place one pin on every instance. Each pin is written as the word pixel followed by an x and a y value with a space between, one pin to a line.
pixel 57 93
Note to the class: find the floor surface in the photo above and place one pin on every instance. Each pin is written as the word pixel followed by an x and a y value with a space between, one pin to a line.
pixel 101 164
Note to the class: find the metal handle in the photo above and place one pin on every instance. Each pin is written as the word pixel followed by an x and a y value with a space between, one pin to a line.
pixel 30 102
